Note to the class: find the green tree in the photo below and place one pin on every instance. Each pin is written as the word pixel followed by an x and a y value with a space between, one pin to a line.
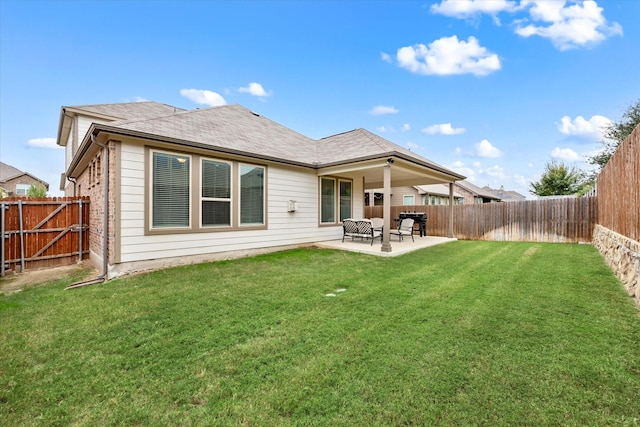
pixel 37 190
pixel 558 179
pixel 615 133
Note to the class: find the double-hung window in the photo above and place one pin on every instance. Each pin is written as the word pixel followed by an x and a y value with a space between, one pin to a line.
pixel 336 197
pixel 251 195
pixel 22 189
pixel 215 193
pixel 170 190
pixel 203 194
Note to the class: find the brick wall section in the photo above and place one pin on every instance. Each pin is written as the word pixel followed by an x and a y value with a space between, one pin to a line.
pixel 469 198
pixel 91 183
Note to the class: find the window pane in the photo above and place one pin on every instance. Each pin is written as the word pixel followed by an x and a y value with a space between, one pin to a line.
pixel 22 189
pixel 251 195
pixel 327 200
pixel 216 213
pixel 216 193
pixel 216 179
pixel 345 200
pixel 170 192
pixel 408 200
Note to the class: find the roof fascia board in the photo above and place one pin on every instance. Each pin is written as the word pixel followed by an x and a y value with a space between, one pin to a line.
pixel 106 130
pixel 395 155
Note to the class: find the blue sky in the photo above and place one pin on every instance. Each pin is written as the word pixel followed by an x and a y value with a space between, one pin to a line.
pixel 493 89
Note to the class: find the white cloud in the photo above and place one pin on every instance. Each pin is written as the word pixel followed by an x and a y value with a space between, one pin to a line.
pixel 463 169
pixel 592 128
pixel 469 8
pixel 385 57
pixel 443 129
pixel 255 89
pixel 383 129
pixel 448 55
pixel 383 109
pixel 569 26
pixel 565 154
pixel 495 171
pixel 411 146
pixel 204 97
pixel 406 127
pixel 43 143
pixel 485 149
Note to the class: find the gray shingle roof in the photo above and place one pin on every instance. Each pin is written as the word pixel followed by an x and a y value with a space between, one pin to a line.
pixel 130 110
pixel 230 128
pixel 235 129
pixel 477 190
pixel 360 143
pixel 7 172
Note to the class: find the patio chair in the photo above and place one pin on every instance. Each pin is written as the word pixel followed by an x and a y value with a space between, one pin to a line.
pixel 366 230
pixel 350 228
pixel 405 229
pixel 377 223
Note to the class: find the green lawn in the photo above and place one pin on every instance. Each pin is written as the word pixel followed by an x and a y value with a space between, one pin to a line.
pixel 466 333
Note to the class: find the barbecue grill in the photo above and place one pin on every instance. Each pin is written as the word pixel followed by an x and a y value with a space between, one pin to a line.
pixel 419 220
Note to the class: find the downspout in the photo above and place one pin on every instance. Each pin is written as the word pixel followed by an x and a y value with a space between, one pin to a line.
pixel 105 225
pixel 73 180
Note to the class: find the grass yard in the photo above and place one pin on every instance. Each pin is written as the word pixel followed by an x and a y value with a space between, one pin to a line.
pixel 466 333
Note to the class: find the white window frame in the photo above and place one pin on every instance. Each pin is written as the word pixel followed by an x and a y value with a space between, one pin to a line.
pixel 22 189
pixel 410 196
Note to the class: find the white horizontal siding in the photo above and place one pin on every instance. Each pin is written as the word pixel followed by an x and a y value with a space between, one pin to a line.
pixel 284 228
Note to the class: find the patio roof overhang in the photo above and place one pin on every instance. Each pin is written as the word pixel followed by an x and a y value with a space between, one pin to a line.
pixel 404 172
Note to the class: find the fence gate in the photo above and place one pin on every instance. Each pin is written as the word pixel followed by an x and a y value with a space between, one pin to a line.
pixel 43 232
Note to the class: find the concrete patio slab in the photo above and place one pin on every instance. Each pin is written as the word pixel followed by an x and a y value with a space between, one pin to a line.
pixel 397 248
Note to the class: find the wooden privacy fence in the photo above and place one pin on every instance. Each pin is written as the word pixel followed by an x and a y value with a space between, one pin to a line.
pixel 43 232
pixel 618 189
pixel 568 220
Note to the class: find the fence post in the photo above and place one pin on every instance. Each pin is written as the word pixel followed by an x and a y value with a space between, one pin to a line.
pixel 21 236
pixel 3 207
pixel 81 225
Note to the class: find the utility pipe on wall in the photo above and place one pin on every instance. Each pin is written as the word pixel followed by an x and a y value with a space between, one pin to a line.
pixel 105 222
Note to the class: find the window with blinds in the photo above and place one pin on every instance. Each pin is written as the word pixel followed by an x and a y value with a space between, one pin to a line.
pixel 216 193
pixel 170 186
pixel 345 200
pixel 327 200
pixel 251 195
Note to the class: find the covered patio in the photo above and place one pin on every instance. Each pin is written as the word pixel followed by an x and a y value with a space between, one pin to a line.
pixel 384 166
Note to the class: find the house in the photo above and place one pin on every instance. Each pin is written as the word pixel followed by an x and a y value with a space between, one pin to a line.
pixel 432 194
pixel 474 194
pixel 506 195
pixel 14 182
pixel 170 186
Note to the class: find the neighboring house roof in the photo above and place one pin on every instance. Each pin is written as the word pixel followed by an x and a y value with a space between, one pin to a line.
pixel 477 191
pixel 8 173
pixel 505 195
pixel 436 189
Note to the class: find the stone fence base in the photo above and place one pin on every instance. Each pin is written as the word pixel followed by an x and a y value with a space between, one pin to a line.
pixel 622 255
